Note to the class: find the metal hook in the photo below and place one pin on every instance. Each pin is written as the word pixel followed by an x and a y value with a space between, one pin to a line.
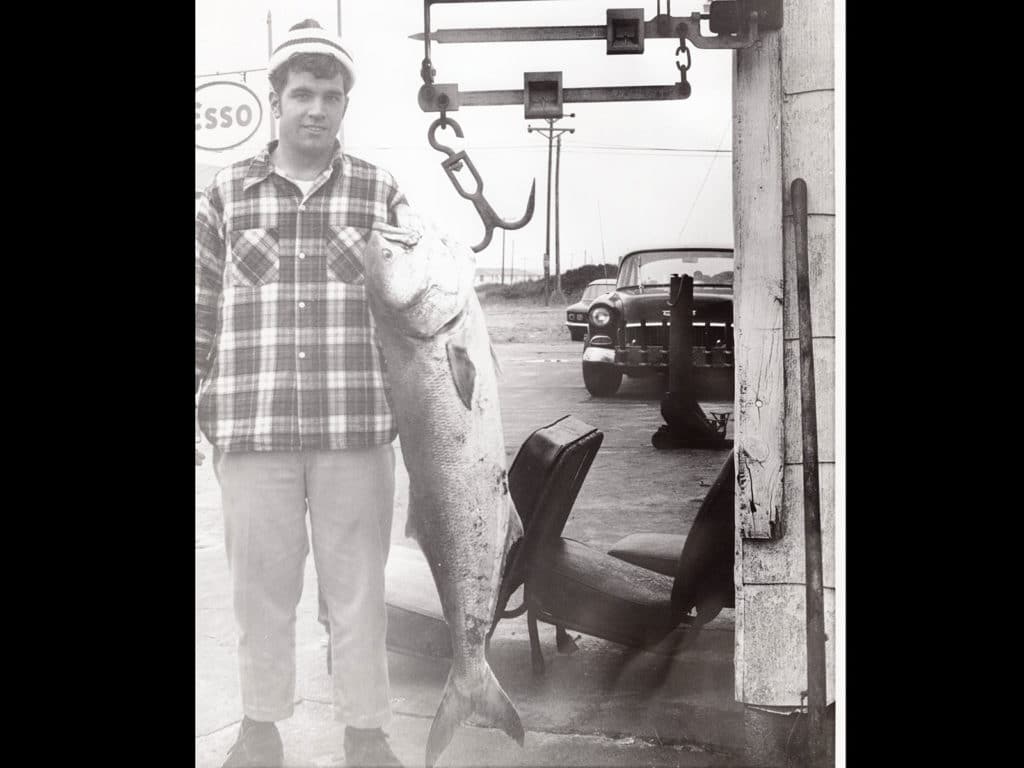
pixel 440 123
pixel 487 214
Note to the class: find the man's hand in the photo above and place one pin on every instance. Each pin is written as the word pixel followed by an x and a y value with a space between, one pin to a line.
pixel 407 218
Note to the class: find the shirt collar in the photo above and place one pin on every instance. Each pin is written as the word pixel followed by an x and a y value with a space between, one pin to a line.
pixel 261 167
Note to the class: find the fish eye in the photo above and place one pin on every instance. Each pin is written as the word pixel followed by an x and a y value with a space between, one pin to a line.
pixel 387 254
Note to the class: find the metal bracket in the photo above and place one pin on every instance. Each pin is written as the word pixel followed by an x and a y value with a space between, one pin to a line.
pixel 625 31
pixel 542 95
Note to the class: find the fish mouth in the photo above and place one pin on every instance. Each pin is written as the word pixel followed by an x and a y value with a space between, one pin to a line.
pixel 400 315
pixel 445 327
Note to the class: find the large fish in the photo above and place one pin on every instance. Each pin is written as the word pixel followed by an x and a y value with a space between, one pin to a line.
pixel 445 397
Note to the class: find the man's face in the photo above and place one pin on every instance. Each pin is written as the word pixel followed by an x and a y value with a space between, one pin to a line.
pixel 311 111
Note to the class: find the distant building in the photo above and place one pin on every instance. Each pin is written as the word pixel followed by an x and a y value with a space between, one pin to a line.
pixel 493 275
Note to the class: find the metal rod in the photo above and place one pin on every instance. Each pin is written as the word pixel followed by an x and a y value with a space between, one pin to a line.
pixel 514 34
pixel 680 335
pixel 666 27
pixel 571 95
pixel 339 18
pixel 816 670
pixel 446 2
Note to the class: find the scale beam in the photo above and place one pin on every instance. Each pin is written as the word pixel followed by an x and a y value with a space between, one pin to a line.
pixel 447 96
pixel 735 24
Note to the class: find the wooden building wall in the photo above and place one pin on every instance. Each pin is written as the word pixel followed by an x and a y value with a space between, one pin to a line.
pixel 783 100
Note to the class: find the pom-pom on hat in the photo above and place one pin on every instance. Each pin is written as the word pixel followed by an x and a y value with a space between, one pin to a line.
pixel 310 39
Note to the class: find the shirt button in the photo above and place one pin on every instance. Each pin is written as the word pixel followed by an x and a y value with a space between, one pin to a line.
pixel 302 208
pixel 302 355
pixel 302 305
pixel 302 255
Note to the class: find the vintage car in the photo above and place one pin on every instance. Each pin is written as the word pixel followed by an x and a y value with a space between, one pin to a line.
pixel 576 314
pixel 629 327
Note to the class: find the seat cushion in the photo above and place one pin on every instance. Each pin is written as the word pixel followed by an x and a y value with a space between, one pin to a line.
pixel 590 591
pixel 704 577
pixel 657 552
pixel 544 480
pixel 701 560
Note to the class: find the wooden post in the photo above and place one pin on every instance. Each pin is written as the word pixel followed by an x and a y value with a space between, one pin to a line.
pixel 783 130
pixel 757 214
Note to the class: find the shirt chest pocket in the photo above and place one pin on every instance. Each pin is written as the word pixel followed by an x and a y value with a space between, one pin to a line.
pixel 345 248
pixel 255 257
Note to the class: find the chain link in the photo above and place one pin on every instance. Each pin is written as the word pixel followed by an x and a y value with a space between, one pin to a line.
pixel 683 49
pixel 427 72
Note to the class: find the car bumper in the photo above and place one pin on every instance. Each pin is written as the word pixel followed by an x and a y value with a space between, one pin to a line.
pixel 599 355
pixel 653 358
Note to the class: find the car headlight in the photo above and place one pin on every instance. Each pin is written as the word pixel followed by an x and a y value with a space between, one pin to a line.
pixel 600 316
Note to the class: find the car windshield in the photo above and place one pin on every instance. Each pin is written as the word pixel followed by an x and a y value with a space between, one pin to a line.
pixel 648 268
pixel 593 291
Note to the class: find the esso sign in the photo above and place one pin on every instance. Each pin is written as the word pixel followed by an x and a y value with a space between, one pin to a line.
pixel 227 115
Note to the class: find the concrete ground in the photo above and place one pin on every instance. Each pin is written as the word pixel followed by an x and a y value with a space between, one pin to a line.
pixel 599 706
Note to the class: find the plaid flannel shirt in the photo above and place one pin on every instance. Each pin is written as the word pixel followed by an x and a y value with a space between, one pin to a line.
pixel 286 348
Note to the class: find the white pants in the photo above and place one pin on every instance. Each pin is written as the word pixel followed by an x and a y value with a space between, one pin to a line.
pixel 350 495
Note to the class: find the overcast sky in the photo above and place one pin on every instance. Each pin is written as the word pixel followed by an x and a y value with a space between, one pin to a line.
pixel 642 174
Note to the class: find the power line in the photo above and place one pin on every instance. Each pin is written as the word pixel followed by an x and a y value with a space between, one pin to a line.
pixel 701 189
pixel 656 149
pixel 578 148
pixel 233 72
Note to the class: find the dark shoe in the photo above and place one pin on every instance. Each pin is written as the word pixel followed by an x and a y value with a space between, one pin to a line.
pixel 258 746
pixel 366 747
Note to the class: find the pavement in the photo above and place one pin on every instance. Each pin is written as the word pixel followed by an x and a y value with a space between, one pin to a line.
pixel 602 705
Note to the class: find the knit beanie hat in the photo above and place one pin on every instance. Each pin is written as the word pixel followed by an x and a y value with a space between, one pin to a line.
pixel 313 39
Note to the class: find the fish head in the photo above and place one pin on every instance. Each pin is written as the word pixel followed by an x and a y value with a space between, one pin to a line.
pixel 420 280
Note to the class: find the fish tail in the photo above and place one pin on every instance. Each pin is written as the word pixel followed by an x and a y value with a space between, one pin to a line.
pixel 487 700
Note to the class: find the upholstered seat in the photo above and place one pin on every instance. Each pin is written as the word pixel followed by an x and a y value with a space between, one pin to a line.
pixel 590 591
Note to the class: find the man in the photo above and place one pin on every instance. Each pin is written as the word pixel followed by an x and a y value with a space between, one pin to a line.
pixel 293 398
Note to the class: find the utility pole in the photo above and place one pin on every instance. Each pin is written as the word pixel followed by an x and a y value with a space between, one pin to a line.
pixel 558 250
pixel 341 128
pixel 503 233
pixel 551 132
pixel 270 52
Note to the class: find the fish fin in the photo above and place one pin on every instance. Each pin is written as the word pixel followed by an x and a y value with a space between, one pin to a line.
pixel 410 526
pixel 515 525
pixel 488 701
pixel 411 517
pixel 494 359
pixel 463 371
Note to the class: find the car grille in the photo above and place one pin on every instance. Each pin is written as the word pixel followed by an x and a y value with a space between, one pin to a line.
pixel 657 336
